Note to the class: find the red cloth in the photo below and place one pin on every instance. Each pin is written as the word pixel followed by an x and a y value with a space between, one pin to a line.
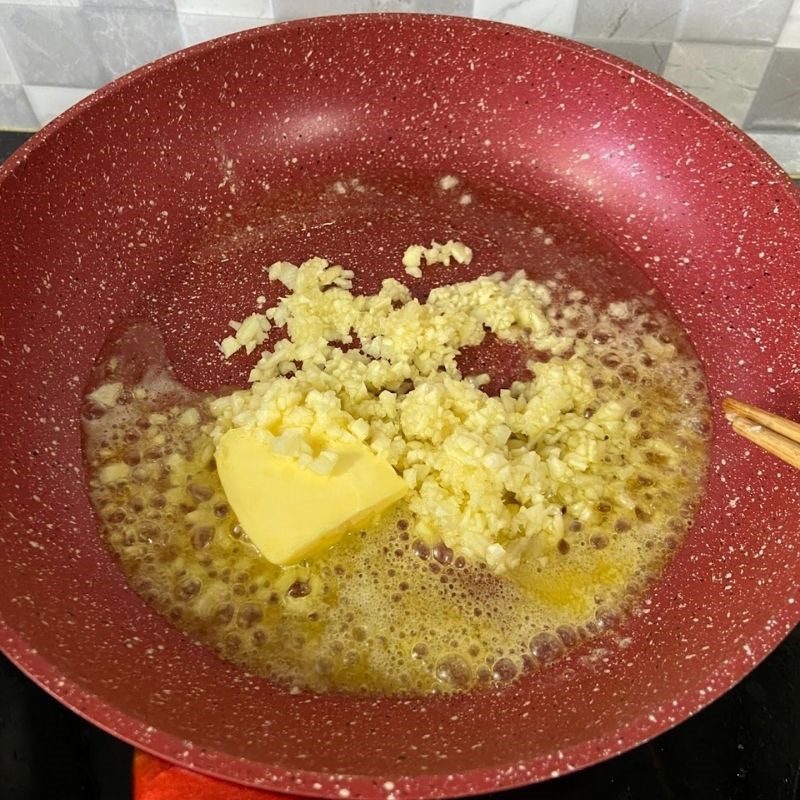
pixel 154 779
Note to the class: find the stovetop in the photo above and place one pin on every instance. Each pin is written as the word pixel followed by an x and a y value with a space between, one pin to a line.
pixel 745 746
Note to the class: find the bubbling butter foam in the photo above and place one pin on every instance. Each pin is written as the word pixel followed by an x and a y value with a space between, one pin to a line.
pixel 410 605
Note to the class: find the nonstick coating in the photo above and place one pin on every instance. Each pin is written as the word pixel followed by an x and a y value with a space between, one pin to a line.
pixel 162 195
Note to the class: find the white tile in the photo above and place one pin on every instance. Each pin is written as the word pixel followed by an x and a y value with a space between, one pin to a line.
pixel 61 3
pixel 628 19
pixel 260 9
pixel 777 102
pixel 552 16
pixel 163 5
pixel 733 20
pixel 723 75
pixel 7 72
pixel 126 38
pixel 783 147
pixel 198 28
pixel 15 110
pixel 650 55
pixel 50 46
pixel 790 34
pixel 50 101
pixel 296 9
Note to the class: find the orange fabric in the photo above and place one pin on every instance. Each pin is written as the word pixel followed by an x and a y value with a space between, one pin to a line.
pixel 154 779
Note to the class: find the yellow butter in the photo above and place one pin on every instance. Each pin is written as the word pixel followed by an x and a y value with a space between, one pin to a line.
pixel 290 512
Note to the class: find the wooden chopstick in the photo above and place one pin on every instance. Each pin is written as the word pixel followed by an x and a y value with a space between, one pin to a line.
pixel 776 435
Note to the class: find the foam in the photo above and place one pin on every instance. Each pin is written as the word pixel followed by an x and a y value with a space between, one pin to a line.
pixel 384 611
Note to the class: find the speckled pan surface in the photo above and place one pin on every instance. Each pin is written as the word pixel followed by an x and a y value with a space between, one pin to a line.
pixel 164 193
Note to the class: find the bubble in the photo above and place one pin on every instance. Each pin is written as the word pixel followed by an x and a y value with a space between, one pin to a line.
pixel 189 588
pixel 148 533
pixel 299 589
pixel 419 650
pixel 259 637
pixel 249 615
pixel 200 492
pixel 116 516
pixel 201 536
pixel 598 542
pixel 93 411
pixel 420 549
pixel 131 456
pixel 442 553
pixel 546 648
pixel 567 635
pixel 223 613
pixel 504 669
pixel 453 671
pixel 606 618
pixel 483 674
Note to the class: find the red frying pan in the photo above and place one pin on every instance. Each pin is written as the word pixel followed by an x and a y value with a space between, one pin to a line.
pixel 164 193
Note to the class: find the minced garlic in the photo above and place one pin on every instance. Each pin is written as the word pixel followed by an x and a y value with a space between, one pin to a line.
pixel 435 254
pixel 490 476
pixel 249 333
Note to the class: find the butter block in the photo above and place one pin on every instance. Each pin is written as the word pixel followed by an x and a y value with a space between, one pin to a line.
pixel 290 512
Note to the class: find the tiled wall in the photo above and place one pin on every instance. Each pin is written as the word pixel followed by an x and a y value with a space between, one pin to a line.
pixel 740 56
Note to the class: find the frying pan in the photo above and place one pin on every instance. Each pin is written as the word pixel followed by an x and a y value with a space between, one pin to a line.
pixel 162 195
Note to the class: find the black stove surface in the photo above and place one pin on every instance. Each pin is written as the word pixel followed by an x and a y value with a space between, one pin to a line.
pixel 745 746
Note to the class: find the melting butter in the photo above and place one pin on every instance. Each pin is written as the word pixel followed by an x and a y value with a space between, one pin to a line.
pixel 289 511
